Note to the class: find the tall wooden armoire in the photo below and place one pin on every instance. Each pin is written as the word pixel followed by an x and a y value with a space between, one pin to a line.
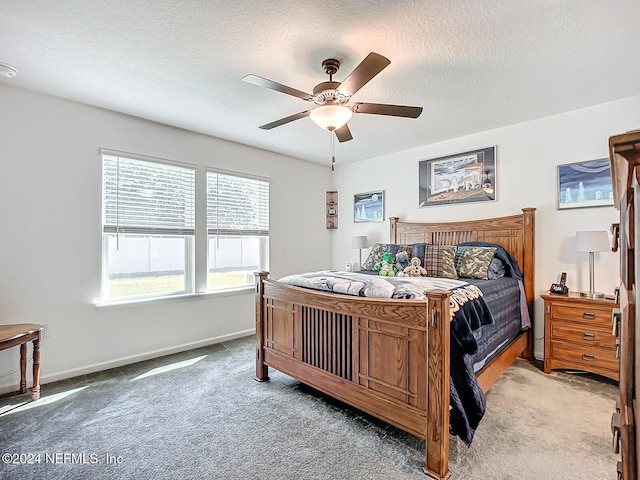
pixel 624 151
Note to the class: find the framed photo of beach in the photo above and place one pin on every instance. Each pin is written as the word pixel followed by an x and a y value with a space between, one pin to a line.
pixel 585 184
pixel 368 207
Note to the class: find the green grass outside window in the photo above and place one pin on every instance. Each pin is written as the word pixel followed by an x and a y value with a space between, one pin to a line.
pixel 158 284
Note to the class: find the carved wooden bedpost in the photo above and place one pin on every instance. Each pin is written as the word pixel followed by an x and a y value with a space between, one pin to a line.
pixel 393 233
pixel 262 371
pixel 438 375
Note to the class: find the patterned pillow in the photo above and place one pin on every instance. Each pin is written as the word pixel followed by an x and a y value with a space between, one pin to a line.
pixel 440 261
pixel 417 250
pixel 375 255
pixel 473 262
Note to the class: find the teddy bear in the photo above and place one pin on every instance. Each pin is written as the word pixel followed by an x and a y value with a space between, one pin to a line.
pixel 415 269
pixel 385 267
pixel 402 262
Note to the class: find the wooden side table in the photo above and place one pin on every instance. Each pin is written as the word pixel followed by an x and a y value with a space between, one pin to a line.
pixel 578 335
pixel 19 334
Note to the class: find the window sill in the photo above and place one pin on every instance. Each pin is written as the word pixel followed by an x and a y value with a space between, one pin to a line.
pixel 178 297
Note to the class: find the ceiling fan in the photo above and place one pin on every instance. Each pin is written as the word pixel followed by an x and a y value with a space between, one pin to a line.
pixel 331 98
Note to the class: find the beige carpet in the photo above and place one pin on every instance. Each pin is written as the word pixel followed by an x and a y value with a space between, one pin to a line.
pixel 565 433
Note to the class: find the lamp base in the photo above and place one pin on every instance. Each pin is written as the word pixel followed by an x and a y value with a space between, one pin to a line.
pixel 592 294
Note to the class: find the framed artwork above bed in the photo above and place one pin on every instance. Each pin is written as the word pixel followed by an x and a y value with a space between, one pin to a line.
pixel 458 178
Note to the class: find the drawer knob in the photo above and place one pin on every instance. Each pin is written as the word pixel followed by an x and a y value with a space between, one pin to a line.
pixel 588 336
pixel 589 315
pixel 616 317
pixel 618 349
pixel 589 357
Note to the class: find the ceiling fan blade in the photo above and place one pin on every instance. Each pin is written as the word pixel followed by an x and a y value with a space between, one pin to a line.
pixel 278 87
pixel 343 133
pixel 372 65
pixel 384 109
pixel 282 121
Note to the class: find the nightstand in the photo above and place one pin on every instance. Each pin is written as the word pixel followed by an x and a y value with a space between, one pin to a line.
pixel 578 335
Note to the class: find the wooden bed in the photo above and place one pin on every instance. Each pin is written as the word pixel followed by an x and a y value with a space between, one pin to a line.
pixel 387 357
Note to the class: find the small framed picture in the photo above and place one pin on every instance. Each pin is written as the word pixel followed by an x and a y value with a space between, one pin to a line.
pixel 585 184
pixel 368 207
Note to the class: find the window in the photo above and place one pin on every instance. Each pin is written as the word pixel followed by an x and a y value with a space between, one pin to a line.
pixel 148 226
pixel 238 229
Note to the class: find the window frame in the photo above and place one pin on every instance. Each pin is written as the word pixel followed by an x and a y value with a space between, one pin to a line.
pixel 262 234
pixel 196 275
pixel 189 234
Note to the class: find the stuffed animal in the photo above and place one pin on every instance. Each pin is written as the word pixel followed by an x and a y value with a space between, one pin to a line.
pixel 385 267
pixel 415 270
pixel 402 262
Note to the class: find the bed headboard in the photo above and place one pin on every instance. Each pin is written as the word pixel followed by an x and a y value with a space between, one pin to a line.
pixel 515 233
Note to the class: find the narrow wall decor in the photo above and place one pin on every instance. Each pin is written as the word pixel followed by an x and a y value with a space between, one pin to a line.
pixel 332 209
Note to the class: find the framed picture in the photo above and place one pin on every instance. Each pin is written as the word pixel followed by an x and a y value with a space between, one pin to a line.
pixel 585 184
pixel 459 178
pixel 368 207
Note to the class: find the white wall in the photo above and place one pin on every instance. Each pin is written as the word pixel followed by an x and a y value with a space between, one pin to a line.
pixel 527 159
pixel 50 247
pixel 50 201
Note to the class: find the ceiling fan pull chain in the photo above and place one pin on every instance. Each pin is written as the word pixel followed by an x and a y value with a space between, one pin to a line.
pixel 333 150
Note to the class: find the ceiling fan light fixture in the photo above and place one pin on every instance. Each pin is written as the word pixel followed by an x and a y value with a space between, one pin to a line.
pixel 332 112
pixel 331 117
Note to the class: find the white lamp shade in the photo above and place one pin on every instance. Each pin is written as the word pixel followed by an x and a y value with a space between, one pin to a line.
pixel 359 241
pixel 592 241
pixel 331 117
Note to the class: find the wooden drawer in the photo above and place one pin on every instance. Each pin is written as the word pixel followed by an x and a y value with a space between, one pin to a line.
pixel 581 313
pixel 578 335
pixel 585 335
pixel 589 357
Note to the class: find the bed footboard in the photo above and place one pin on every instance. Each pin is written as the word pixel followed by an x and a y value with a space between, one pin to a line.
pixel 388 358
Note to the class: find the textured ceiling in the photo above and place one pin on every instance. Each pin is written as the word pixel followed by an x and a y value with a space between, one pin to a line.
pixel 473 65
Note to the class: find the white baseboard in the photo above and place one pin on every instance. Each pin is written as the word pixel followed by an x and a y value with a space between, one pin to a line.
pixel 97 367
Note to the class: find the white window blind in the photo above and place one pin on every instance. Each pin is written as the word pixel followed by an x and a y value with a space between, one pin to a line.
pixel 147 197
pixel 237 205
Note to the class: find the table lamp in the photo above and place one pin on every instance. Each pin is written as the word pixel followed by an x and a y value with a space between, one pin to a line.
pixel 359 242
pixel 592 241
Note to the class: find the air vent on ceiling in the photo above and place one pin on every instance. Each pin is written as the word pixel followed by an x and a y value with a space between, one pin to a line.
pixel 7 70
